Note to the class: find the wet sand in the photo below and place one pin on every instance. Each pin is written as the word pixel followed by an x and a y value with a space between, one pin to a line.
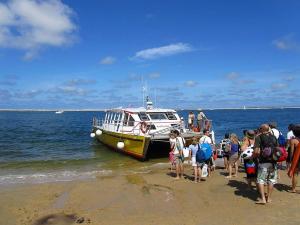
pixel 147 198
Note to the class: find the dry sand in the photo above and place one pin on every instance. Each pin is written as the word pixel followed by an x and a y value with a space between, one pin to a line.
pixel 147 198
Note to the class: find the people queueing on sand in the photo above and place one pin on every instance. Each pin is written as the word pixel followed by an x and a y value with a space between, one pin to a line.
pixel 171 153
pixel 267 168
pixel 295 162
pixel 225 142
pixel 207 139
pixel 193 150
pixel 290 135
pixel 177 146
pixel 201 117
pixel 250 164
pixel 261 166
pixel 191 119
pixel 234 148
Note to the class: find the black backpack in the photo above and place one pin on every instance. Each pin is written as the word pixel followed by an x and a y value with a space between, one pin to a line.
pixel 268 146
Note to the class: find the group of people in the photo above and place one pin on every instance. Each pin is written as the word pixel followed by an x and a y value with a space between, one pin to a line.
pixel 201 123
pixel 262 152
pixel 176 155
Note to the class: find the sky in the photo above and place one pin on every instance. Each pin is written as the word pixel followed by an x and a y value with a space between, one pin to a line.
pixel 96 54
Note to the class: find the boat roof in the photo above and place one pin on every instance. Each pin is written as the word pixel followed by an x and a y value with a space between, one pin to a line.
pixel 141 109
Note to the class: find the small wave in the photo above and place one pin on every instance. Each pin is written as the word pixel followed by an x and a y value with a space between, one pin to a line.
pixel 51 177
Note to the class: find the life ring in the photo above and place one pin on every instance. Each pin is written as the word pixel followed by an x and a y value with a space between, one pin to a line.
pixel 144 127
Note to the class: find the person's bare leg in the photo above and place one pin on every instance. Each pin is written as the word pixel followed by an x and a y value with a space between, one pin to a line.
pixel 200 173
pixel 226 163
pixel 195 174
pixel 177 171
pixel 261 190
pixel 230 170
pixel 236 169
pixel 181 170
pixel 270 190
pixel 294 183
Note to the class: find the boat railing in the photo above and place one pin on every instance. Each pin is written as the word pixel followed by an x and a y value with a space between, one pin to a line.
pixel 168 129
pixel 97 122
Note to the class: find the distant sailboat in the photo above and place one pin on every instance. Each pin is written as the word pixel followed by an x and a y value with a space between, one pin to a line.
pixel 59 112
pixel 244 108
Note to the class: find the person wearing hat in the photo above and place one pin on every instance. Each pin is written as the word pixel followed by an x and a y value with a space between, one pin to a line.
pixel 250 165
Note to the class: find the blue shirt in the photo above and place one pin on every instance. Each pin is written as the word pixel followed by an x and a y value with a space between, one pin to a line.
pixel 234 148
pixel 194 149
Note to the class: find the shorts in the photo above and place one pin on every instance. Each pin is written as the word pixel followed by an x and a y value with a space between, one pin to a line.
pixel 178 159
pixel 267 173
pixel 194 163
pixel 226 156
pixel 233 158
pixel 201 164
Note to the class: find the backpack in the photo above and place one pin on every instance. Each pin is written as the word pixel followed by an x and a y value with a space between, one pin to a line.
pixel 204 152
pixel 268 144
pixel 280 154
pixel 281 140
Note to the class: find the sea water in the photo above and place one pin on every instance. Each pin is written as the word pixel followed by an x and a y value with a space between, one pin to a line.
pixel 38 147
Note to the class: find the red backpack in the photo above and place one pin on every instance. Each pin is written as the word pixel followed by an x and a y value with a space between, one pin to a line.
pixel 280 154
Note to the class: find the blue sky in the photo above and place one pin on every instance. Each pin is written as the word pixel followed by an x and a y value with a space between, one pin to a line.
pixel 189 54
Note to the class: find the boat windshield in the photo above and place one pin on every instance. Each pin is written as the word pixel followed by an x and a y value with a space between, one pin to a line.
pixel 157 116
pixel 171 116
pixel 143 116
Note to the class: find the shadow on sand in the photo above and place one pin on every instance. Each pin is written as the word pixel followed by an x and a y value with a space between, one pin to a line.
pixel 242 189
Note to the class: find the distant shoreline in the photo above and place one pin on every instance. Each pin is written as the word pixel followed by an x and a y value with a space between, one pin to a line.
pixel 103 110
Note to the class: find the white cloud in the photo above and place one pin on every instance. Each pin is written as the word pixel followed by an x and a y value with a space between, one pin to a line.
pixel 108 60
pixel 72 90
pixel 278 86
pixel 80 81
pixel 191 83
pixel 33 24
pixel 286 43
pixel 168 50
pixel 154 75
pixel 233 76
pixel 289 78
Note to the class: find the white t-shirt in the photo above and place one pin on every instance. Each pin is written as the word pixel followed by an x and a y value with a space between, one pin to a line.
pixel 172 143
pixel 205 139
pixel 290 135
pixel 181 143
pixel 275 132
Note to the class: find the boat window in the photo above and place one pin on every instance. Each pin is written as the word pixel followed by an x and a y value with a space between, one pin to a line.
pixel 131 121
pixel 157 116
pixel 143 116
pixel 125 119
pixel 171 116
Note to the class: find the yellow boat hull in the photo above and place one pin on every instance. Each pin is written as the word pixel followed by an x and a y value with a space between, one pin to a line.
pixel 134 145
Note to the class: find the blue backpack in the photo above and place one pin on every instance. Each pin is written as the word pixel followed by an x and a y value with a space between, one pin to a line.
pixel 281 140
pixel 204 152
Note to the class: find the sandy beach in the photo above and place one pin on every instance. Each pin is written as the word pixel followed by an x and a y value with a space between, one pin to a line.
pixel 150 197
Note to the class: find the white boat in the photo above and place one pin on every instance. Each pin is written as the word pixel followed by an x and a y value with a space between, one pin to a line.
pixel 140 132
pixel 59 112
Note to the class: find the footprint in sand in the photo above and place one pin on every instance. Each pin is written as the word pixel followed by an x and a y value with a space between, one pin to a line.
pixel 147 188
